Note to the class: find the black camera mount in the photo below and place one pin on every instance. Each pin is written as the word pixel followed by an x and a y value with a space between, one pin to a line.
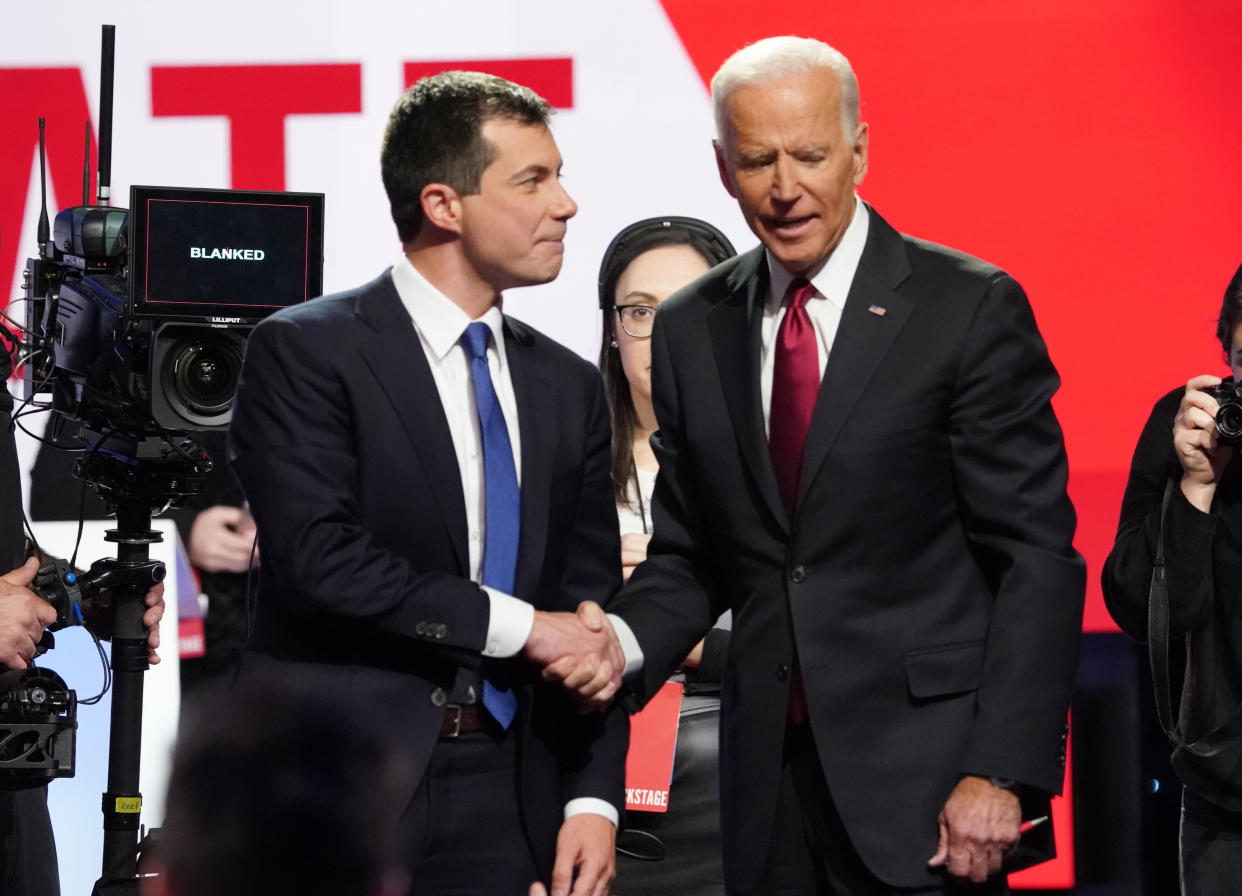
pixel 132 573
pixel 134 475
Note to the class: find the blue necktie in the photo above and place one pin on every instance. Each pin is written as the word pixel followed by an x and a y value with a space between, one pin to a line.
pixel 503 498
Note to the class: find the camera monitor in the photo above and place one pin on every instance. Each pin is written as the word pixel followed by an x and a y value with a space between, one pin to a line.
pixel 237 255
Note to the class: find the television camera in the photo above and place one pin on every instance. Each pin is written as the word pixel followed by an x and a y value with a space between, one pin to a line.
pixel 135 326
pixel 137 320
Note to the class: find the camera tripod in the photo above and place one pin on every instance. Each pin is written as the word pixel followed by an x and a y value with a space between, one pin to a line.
pixel 142 476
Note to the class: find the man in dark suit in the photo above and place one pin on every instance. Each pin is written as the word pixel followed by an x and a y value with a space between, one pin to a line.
pixel 430 482
pixel 858 457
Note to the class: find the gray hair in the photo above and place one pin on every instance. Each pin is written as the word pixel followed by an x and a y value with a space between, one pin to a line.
pixel 774 58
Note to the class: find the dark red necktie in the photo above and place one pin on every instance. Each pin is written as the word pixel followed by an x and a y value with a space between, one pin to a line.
pixel 795 386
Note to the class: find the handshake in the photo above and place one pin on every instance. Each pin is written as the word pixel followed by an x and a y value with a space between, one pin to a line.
pixel 580 652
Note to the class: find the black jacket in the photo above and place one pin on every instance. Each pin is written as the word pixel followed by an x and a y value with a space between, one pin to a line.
pixel 1203 556
pixel 341 443
pixel 12 540
pixel 926 584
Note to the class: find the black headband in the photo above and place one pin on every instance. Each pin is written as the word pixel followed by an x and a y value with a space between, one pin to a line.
pixel 616 257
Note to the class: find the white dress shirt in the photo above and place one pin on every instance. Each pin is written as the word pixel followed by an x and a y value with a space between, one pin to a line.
pixel 832 284
pixel 440 323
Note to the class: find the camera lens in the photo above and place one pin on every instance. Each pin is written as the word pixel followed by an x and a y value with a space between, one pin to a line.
pixel 1229 421
pixel 194 374
pixel 204 373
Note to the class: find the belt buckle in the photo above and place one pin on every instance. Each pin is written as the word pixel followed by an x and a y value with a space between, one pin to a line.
pixel 455 721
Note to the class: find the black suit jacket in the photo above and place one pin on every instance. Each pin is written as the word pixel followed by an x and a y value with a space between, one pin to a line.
pixel 342 446
pixel 926 584
pixel 12 534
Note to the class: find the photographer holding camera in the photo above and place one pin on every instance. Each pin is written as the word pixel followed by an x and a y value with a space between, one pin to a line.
pixel 1175 571
pixel 27 849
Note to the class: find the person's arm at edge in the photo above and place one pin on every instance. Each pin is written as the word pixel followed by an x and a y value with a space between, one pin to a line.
pixel 1011 472
pixel 1126 577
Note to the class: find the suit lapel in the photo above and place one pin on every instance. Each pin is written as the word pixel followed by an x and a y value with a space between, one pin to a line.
pixel 396 359
pixel 735 326
pixel 532 384
pixel 863 338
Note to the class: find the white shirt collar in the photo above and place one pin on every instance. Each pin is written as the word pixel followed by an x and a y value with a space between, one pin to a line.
pixel 836 273
pixel 439 319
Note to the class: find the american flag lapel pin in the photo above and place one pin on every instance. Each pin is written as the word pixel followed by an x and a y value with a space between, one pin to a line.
pixel 878 310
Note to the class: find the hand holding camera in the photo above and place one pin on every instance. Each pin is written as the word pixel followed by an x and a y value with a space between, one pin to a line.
pixel 23 616
pixel 1208 424
pixel 1228 395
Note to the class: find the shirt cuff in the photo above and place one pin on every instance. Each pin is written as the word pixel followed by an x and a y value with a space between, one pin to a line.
pixel 629 646
pixel 583 804
pixel 508 624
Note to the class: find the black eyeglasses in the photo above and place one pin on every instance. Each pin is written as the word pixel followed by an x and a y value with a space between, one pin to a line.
pixel 637 320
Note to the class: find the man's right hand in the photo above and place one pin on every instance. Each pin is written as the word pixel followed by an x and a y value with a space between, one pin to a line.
pixel 23 616
pixel 580 652
pixel 979 826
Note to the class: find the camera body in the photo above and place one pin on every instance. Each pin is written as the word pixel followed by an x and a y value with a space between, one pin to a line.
pixel 138 319
pixel 1228 397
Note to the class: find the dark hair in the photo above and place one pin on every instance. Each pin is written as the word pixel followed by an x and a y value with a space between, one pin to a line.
pixel 433 137
pixel 277 789
pixel 633 241
pixel 1230 313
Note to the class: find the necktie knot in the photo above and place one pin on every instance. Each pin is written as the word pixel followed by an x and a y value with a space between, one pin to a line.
pixel 475 340
pixel 799 293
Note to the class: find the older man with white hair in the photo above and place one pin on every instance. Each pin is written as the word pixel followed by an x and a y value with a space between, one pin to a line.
pixel 859 457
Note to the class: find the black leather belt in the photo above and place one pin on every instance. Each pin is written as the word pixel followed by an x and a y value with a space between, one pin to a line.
pixel 462 718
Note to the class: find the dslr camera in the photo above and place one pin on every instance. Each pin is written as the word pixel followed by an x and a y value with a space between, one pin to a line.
pixel 1228 397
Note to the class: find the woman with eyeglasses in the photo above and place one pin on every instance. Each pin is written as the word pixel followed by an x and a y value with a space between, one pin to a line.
pixel 677 851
